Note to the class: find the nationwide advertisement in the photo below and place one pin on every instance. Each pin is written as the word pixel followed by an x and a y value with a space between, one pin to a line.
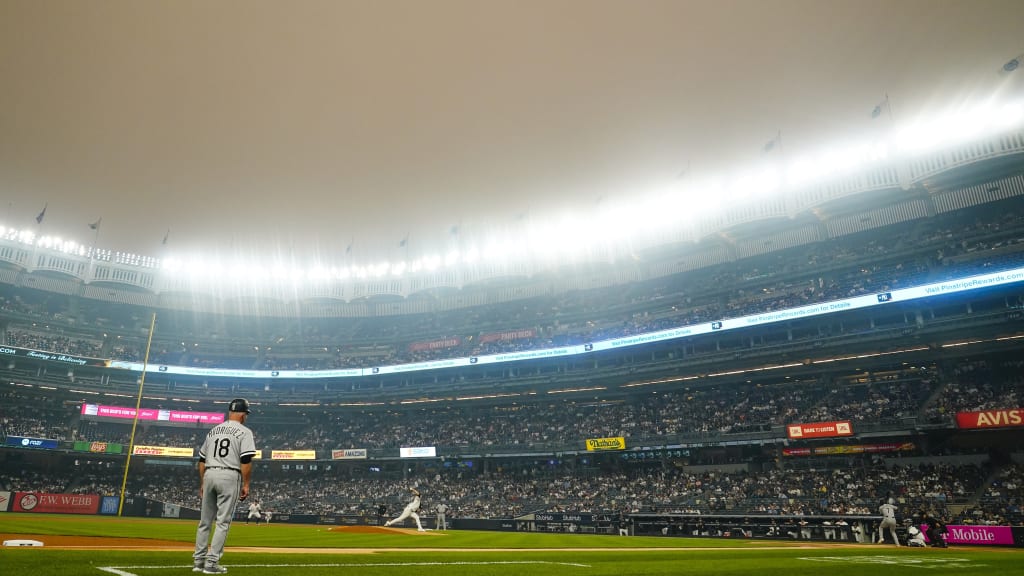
pixel 103 447
pixel 999 535
pixel 417 451
pixel 1006 418
pixel 170 451
pixel 819 430
pixel 91 411
pixel 349 454
pixel 293 454
pixel 606 444
pixel 41 443
pixel 56 503
pixel 850 449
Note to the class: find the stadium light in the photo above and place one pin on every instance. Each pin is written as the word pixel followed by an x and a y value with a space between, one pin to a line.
pixel 583 234
pixel 431 263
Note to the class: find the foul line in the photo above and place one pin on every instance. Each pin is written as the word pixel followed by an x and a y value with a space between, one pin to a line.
pixel 123 570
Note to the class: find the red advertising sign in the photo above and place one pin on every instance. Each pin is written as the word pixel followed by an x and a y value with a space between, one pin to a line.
pixel 158 414
pixel 1008 417
pixel 510 335
pixel 819 430
pixel 435 344
pixel 55 503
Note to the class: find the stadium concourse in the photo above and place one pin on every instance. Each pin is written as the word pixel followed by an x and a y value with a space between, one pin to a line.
pixel 703 419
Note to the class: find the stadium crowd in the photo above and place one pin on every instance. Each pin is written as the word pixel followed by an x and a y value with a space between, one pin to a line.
pixel 879 261
pixel 931 393
pixel 847 490
pixel 867 263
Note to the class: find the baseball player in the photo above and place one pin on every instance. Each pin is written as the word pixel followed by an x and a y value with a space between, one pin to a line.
pixel 442 510
pixel 254 512
pixel 410 510
pixel 888 512
pixel 915 539
pixel 225 468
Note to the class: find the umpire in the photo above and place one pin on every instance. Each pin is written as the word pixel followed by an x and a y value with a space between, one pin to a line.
pixel 936 530
pixel 225 467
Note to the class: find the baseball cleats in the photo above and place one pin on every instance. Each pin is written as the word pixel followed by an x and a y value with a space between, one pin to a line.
pixel 215 569
pixel 198 566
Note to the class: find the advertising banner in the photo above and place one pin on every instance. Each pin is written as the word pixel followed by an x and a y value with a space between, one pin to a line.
pixel 819 430
pixel 435 344
pixel 5 500
pixel 293 454
pixel 606 444
pixel 56 503
pixel 170 451
pixel 1009 417
pixel 41 443
pixel 509 335
pixel 52 357
pixel 349 454
pixel 104 447
pixel 157 414
pixel 850 449
pixel 417 452
pixel 997 535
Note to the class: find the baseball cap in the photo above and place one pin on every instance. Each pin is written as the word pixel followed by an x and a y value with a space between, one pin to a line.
pixel 239 405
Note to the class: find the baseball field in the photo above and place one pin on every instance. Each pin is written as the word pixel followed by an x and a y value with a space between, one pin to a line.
pixel 97 546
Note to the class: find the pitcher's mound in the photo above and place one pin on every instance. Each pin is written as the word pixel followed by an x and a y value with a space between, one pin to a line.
pixel 376 530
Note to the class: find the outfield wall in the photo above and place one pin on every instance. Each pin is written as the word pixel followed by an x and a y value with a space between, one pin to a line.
pixel 810 528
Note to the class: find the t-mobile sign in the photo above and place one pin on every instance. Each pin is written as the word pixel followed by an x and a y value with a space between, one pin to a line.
pixel 1000 535
pixel 160 415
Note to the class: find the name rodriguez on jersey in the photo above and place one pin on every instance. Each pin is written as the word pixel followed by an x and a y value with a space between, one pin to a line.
pixel 229 430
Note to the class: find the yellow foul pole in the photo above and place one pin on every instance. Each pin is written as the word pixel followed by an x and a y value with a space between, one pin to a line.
pixel 135 421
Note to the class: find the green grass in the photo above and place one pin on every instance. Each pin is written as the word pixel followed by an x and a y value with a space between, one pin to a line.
pixel 518 554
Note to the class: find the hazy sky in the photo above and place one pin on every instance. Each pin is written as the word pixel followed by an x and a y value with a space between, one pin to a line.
pixel 301 125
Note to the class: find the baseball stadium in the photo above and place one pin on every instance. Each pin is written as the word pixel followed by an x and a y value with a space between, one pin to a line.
pixel 815 368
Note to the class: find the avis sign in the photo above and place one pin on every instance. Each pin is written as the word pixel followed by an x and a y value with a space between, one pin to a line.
pixel 819 430
pixel 1005 418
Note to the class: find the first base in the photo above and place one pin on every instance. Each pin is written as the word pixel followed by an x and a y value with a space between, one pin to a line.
pixel 22 543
